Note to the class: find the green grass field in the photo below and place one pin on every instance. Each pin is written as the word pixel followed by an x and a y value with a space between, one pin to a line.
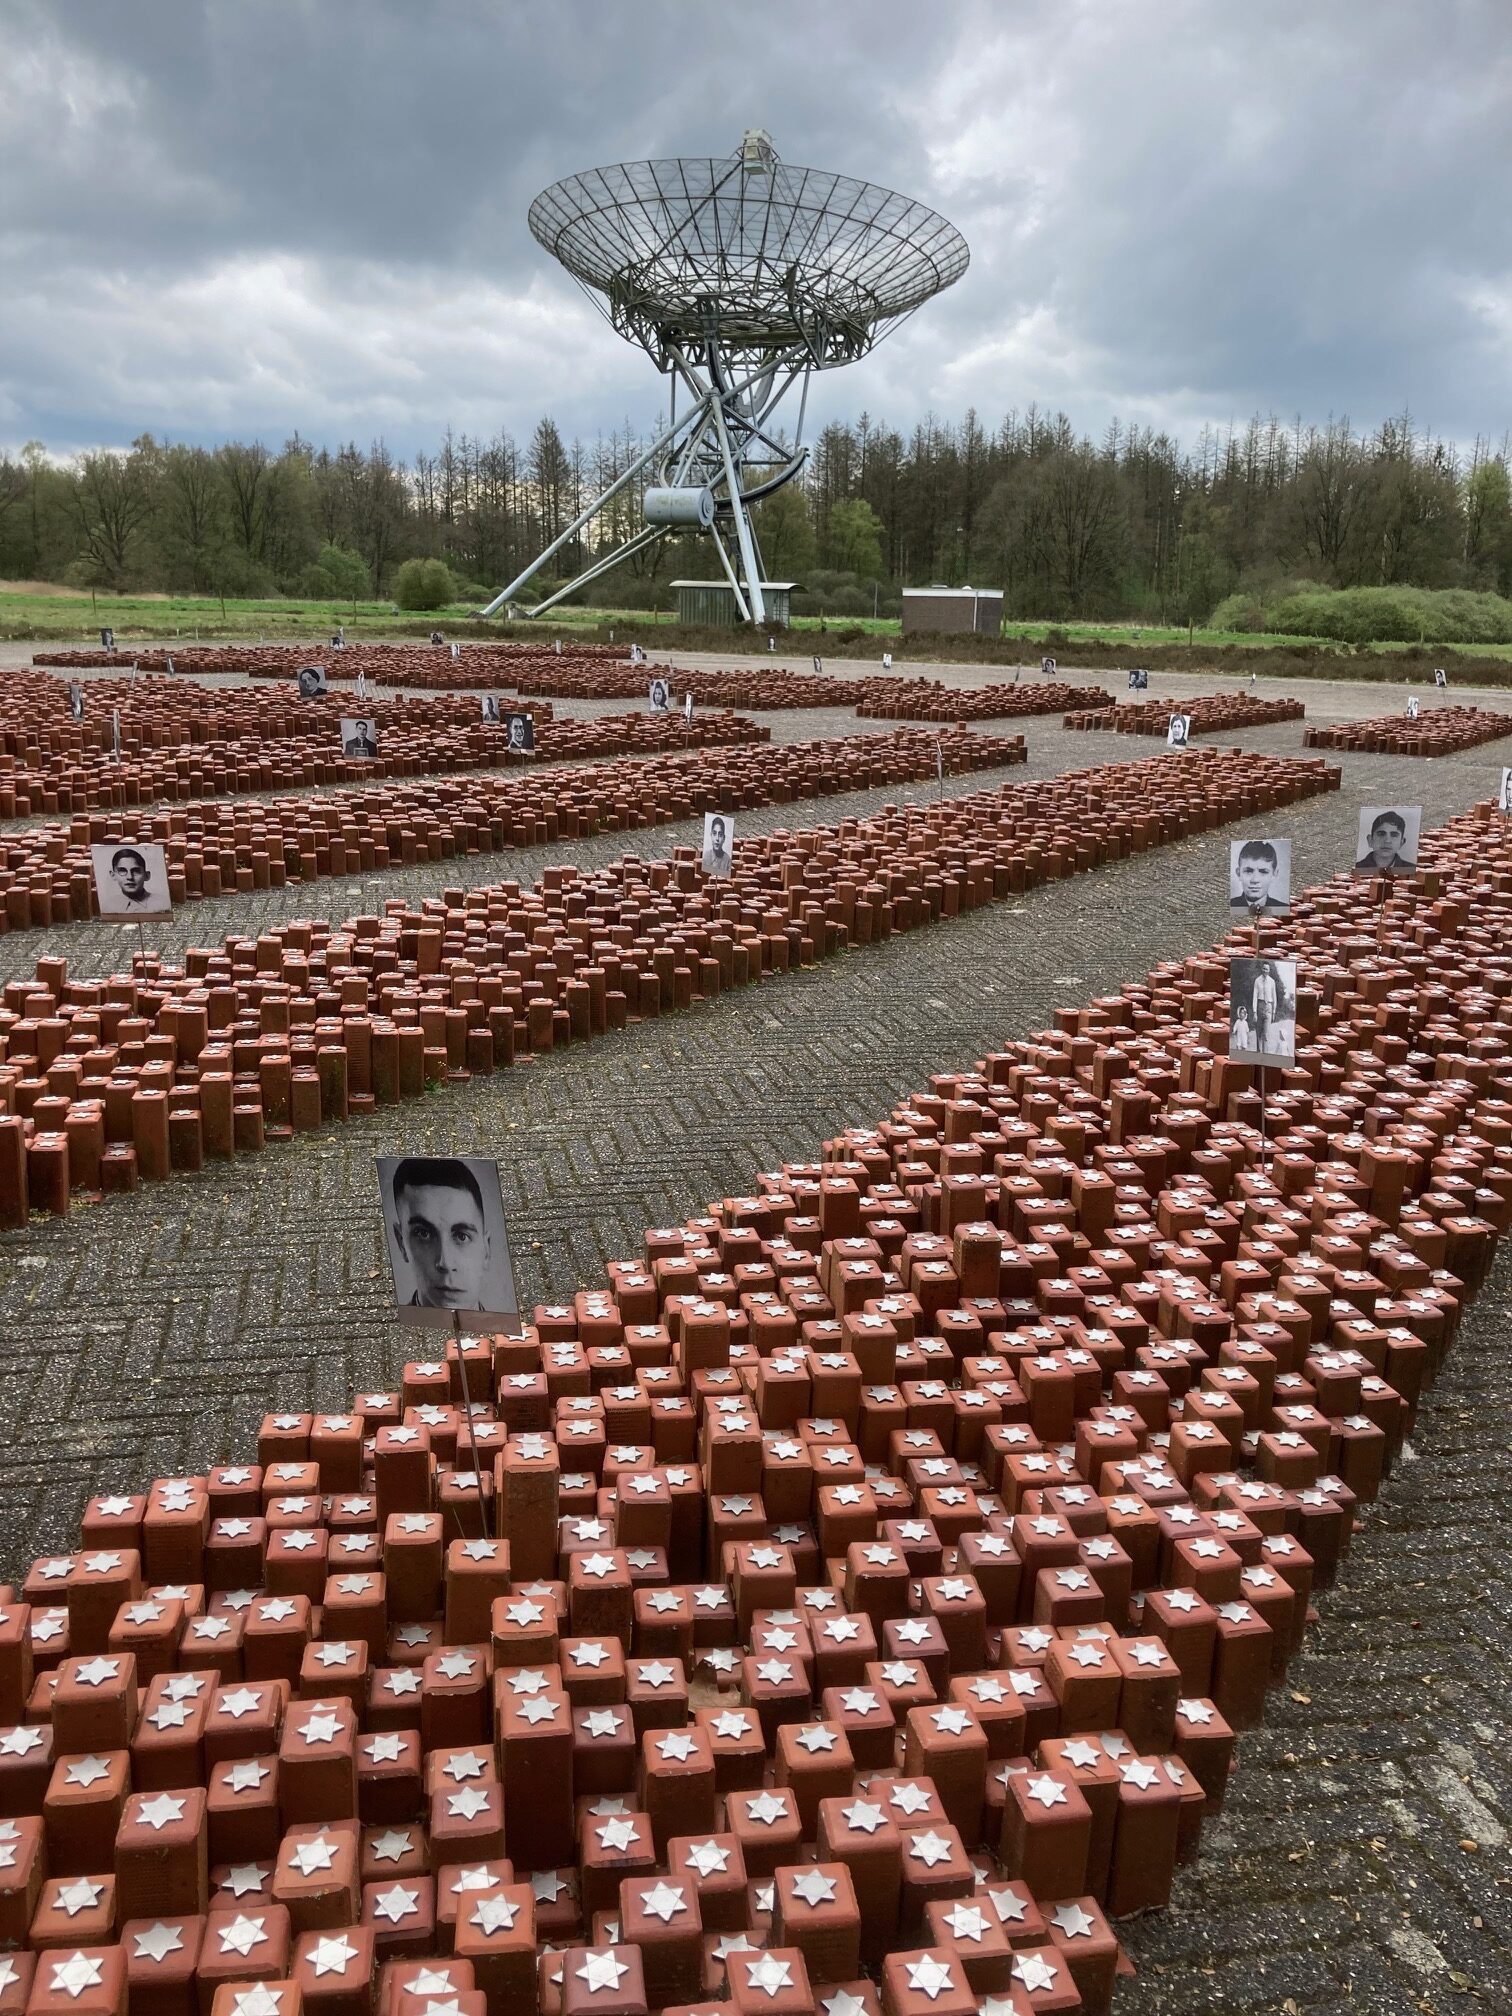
pixel 70 617
pixel 66 617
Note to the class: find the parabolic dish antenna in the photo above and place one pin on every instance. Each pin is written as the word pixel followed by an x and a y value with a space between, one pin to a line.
pixel 739 277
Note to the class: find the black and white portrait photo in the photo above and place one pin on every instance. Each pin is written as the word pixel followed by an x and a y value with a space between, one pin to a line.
pixel 1178 731
pixel 359 735
pixel 1387 841
pixel 491 708
pixel 1263 1011
pixel 1504 791
pixel 887 661
pixel 76 700
pixel 1414 707
pixel 521 730
pixel 687 708
pixel 107 640
pixel 1259 879
pixel 1139 679
pixel 131 880
pixel 1048 667
pixel 311 680
pixel 719 837
pixel 436 637
pixel 443 1220
pixel 1440 676
pixel 659 693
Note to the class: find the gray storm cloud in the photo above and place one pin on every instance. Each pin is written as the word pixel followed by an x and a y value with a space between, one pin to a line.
pixel 219 219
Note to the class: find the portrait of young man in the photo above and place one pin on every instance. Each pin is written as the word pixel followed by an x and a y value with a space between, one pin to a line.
pixel 1259 879
pixel 444 1225
pixel 491 708
pixel 1387 843
pixel 131 880
pixel 359 737
pixel 522 733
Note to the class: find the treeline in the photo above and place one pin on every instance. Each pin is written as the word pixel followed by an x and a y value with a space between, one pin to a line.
pixel 1133 525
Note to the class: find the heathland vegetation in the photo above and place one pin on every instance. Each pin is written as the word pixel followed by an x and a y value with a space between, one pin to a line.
pixel 1294 530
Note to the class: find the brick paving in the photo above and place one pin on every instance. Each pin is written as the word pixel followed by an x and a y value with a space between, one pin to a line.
pixel 149 1335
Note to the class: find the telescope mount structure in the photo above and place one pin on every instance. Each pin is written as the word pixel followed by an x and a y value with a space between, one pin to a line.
pixel 739 277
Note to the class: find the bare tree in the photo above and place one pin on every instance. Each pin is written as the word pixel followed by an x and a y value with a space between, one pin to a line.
pixel 191 501
pixel 244 470
pixel 112 502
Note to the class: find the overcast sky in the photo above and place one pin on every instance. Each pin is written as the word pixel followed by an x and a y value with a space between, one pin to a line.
pixel 246 217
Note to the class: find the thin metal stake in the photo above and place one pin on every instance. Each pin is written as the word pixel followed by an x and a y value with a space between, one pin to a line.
pixel 1265 1159
pixel 467 1415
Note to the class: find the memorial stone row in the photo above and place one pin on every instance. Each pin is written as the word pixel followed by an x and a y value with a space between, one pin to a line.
pixel 852 1605
pixel 108 1081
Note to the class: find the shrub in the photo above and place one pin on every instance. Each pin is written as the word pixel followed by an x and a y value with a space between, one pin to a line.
pixel 239 575
pixel 1390 615
pixel 347 571
pixel 424 584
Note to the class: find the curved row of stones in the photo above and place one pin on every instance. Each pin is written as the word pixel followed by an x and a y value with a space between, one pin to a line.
pixel 848 1608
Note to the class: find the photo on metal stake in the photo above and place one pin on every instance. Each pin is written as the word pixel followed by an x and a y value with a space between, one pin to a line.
pixel 1263 1011
pixel 359 735
pixel 491 709
pixel 1139 679
pixel 131 881
pixel 718 841
pixel 448 1249
pixel 521 729
pixel 1387 840
pixel 1414 707
pixel 1178 731
pixel 659 693
pixel 76 700
pixel 1504 792
pixel 1259 879
pixel 311 680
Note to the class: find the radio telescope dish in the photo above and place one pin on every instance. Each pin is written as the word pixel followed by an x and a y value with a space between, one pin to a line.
pixel 739 277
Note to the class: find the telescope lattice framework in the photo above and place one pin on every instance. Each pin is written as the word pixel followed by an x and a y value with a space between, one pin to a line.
pixel 739 277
